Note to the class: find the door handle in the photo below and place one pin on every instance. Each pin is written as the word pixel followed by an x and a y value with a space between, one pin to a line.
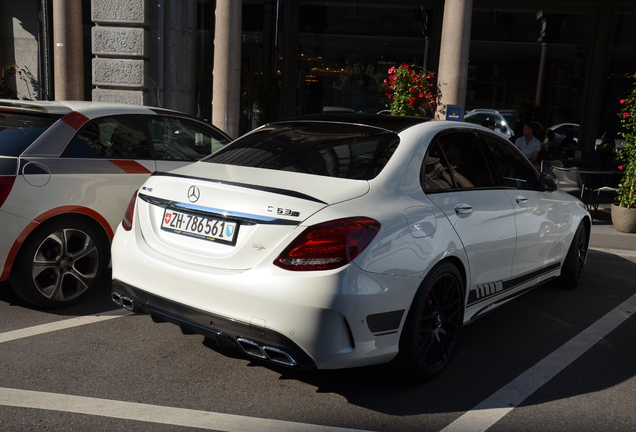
pixel 521 201
pixel 463 209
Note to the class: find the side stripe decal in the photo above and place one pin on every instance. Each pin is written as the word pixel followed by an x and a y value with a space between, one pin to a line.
pixel 485 291
pixel 74 120
pixel 130 166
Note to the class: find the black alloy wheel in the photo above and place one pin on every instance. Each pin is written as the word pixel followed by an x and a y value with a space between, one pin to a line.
pixel 59 263
pixel 574 262
pixel 434 323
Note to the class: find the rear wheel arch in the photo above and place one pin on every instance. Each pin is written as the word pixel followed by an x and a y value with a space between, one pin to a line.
pixel 70 251
pixel 433 322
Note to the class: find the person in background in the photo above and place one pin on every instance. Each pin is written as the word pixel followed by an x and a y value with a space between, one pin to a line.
pixel 529 145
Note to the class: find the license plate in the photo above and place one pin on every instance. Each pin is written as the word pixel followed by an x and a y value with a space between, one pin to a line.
pixel 206 228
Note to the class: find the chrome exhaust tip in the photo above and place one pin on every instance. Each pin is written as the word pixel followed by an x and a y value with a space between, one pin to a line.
pixel 264 352
pixel 251 348
pixel 279 356
pixel 123 301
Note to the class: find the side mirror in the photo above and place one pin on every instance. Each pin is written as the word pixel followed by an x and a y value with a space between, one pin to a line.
pixel 548 182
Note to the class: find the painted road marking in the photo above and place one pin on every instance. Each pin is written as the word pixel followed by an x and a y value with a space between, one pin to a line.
pixel 479 419
pixel 61 325
pixel 153 413
pixel 493 409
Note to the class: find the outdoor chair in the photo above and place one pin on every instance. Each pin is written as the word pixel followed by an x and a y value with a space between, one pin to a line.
pixel 547 164
pixel 598 192
pixel 569 180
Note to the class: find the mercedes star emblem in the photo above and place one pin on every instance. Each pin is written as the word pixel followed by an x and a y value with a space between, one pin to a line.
pixel 194 193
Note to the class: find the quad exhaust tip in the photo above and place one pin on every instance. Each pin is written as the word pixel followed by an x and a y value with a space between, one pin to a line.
pixel 265 352
pixel 123 301
pixel 251 348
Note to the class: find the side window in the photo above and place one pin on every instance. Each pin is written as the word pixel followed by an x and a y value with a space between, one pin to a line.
pixel 180 139
pixel 455 161
pixel 436 175
pixel 514 169
pixel 118 137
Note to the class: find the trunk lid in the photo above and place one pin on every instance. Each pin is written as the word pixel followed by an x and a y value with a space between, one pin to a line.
pixel 232 217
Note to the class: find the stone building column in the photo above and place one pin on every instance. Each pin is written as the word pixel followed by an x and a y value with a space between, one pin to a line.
pixel 595 78
pixel 226 75
pixel 68 50
pixel 121 44
pixel 452 75
pixel 179 56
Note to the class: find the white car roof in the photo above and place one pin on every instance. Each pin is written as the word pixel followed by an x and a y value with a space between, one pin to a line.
pixel 88 108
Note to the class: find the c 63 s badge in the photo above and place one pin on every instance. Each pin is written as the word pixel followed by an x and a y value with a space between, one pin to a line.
pixel 283 211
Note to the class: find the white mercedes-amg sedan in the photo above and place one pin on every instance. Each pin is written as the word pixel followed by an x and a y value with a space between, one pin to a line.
pixel 347 240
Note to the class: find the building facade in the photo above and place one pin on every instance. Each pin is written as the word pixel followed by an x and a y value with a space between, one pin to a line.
pixel 566 59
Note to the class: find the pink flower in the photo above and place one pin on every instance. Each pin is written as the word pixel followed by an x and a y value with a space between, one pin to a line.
pixel 626 114
pixel 622 101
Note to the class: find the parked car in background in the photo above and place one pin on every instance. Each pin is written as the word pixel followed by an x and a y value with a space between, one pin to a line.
pixel 479 115
pixel 67 170
pixel 563 136
pixel 346 240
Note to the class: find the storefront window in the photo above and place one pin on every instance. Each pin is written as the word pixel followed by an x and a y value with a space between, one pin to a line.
pixel 345 50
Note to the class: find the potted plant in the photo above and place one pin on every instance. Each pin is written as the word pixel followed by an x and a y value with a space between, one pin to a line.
pixel 410 91
pixel 624 210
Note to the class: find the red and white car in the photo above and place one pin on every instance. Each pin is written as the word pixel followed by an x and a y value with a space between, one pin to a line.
pixel 67 171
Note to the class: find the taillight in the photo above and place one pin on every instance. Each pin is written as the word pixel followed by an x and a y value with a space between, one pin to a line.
pixel 130 213
pixel 328 245
pixel 6 183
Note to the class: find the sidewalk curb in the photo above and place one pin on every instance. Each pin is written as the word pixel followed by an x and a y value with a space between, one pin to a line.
pixel 624 253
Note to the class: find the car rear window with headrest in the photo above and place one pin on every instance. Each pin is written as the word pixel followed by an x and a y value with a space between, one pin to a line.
pixel 327 149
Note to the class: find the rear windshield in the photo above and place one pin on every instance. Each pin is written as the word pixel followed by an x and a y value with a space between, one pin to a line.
pixel 325 149
pixel 19 130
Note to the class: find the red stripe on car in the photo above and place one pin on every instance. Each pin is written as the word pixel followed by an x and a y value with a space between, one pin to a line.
pixel 13 252
pixel 74 120
pixel 131 167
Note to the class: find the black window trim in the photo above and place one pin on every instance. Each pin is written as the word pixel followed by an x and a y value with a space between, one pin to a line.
pixel 491 162
pixel 495 177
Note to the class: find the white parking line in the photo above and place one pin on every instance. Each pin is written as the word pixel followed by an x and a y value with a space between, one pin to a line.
pixel 479 419
pixel 153 413
pixel 61 325
pixel 493 409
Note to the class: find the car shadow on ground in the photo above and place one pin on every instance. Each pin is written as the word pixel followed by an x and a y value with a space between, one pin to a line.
pixel 97 301
pixel 491 351
pixel 499 347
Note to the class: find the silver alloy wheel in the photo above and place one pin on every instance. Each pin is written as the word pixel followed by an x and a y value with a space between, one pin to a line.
pixel 65 264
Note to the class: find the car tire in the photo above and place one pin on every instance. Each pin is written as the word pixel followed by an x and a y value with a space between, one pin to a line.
pixel 60 262
pixel 433 324
pixel 574 262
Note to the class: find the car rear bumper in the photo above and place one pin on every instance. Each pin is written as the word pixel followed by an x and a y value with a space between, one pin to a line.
pixel 328 320
pixel 255 341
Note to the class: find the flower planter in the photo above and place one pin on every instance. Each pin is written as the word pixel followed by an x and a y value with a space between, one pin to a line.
pixel 624 218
